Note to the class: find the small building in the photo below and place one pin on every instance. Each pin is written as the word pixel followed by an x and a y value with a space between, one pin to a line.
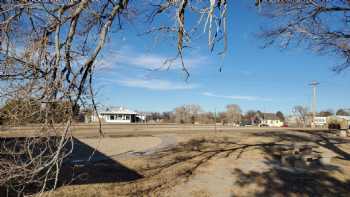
pixel 119 115
pixel 320 121
pixel 271 120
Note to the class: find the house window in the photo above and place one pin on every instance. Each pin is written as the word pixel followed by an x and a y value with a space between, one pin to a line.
pixel 120 117
pixel 111 117
pixel 127 117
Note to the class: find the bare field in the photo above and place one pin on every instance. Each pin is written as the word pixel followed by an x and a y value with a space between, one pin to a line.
pixel 170 160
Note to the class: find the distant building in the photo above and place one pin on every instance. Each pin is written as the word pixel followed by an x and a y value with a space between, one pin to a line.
pixel 119 115
pixel 320 121
pixel 271 120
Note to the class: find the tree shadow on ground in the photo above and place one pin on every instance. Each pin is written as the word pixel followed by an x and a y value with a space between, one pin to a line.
pixel 284 182
pixel 295 177
pixel 322 138
pixel 317 179
pixel 176 165
pixel 85 165
pixel 172 166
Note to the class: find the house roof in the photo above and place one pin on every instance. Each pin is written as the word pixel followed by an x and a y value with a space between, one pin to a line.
pixel 118 110
pixel 269 116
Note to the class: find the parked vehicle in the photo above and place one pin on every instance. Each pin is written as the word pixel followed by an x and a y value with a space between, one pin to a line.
pixel 263 125
pixel 245 124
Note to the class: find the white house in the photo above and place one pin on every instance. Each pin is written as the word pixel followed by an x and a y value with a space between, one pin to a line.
pixel 271 120
pixel 320 121
pixel 119 115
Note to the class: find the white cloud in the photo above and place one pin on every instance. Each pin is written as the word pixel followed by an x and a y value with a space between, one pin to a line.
pixel 235 97
pixel 150 61
pixel 156 84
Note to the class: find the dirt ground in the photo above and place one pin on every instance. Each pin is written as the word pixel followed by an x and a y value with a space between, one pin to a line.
pixel 236 162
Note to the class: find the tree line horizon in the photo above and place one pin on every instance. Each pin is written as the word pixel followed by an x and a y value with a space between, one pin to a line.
pixel 32 112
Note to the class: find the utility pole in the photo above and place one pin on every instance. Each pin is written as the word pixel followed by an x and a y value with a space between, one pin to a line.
pixel 314 85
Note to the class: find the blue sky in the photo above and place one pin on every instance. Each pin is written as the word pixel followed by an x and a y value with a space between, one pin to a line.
pixel 131 72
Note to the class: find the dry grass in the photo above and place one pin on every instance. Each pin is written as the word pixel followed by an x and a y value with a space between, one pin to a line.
pixel 226 164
